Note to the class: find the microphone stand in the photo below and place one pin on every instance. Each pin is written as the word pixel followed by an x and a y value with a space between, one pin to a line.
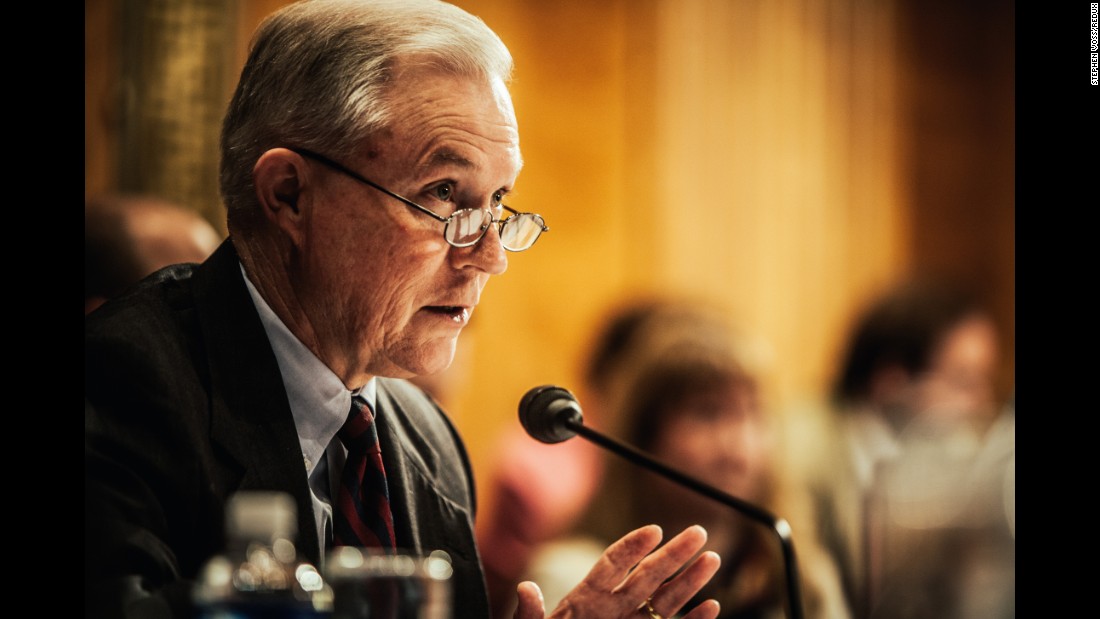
pixel 780 526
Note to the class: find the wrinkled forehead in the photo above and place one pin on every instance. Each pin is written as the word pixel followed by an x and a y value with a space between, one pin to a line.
pixel 439 116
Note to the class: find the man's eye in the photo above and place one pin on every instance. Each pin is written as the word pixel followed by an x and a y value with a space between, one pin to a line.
pixel 498 197
pixel 443 192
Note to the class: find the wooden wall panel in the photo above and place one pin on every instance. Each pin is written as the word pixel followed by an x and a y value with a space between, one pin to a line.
pixel 101 108
pixel 959 121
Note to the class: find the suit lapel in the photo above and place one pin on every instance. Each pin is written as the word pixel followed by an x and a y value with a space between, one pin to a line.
pixel 413 469
pixel 429 477
pixel 250 414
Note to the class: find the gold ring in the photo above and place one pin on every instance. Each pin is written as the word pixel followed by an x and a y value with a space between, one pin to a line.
pixel 647 606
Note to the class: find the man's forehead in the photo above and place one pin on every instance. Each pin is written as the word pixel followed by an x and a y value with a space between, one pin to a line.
pixel 449 152
pixel 445 156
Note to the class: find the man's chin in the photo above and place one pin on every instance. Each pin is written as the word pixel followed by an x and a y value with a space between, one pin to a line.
pixel 434 360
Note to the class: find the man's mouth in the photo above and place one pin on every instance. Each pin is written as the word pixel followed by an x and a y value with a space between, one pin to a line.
pixel 456 313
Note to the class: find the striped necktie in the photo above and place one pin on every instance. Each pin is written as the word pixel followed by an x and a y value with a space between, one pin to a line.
pixel 362 516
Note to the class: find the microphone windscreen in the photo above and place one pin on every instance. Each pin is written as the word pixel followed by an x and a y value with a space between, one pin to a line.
pixel 544 412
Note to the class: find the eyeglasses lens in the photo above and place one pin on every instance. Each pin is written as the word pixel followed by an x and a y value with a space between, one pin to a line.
pixel 467 226
pixel 521 231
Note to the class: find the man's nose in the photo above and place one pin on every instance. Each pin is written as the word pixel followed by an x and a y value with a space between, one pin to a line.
pixel 487 255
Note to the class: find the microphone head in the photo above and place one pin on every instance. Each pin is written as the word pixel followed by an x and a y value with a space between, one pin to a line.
pixel 547 412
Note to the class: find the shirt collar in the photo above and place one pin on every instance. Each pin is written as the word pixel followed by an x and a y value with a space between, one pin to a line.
pixel 319 401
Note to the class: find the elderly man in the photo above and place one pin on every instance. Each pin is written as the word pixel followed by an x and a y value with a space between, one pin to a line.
pixel 367 155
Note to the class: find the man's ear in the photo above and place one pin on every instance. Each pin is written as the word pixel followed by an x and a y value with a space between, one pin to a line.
pixel 280 175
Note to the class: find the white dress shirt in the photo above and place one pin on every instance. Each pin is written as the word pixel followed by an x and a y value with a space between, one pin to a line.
pixel 320 404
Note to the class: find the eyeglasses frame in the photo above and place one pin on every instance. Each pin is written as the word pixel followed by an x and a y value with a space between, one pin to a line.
pixel 309 154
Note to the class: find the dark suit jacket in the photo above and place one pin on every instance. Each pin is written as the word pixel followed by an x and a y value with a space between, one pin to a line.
pixel 184 405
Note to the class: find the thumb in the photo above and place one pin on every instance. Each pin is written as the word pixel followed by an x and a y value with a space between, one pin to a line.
pixel 530 604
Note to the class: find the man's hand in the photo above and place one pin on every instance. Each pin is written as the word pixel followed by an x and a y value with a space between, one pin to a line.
pixel 628 574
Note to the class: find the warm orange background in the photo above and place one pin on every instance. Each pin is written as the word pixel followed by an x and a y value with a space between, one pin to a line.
pixel 784 157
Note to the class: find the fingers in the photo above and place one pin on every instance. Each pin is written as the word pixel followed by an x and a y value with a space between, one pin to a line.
pixel 671 596
pixel 707 610
pixel 662 564
pixel 621 557
pixel 631 571
pixel 530 602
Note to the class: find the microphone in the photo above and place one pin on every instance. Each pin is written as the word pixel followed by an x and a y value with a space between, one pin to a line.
pixel 551 414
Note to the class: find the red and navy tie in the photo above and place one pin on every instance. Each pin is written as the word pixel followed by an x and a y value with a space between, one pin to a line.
pixel 362 516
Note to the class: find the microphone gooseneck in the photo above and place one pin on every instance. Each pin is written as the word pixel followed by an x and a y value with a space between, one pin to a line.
pixel 551 414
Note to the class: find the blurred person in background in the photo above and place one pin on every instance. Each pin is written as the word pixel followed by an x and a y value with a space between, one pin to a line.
pixel 678 381
pixel 129 236
pixel 913 475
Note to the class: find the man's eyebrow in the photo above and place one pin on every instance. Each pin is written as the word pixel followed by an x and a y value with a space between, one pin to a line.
pixel 445 157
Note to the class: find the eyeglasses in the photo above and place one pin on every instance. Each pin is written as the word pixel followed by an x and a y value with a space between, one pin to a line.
pixel 464 227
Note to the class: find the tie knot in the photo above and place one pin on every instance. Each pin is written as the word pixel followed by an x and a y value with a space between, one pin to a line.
pixel 359 426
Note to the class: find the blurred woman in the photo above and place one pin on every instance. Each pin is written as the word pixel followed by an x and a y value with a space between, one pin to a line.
pixel 685 388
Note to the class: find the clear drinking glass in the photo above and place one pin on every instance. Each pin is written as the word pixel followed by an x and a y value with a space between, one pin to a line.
pixel 370 584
